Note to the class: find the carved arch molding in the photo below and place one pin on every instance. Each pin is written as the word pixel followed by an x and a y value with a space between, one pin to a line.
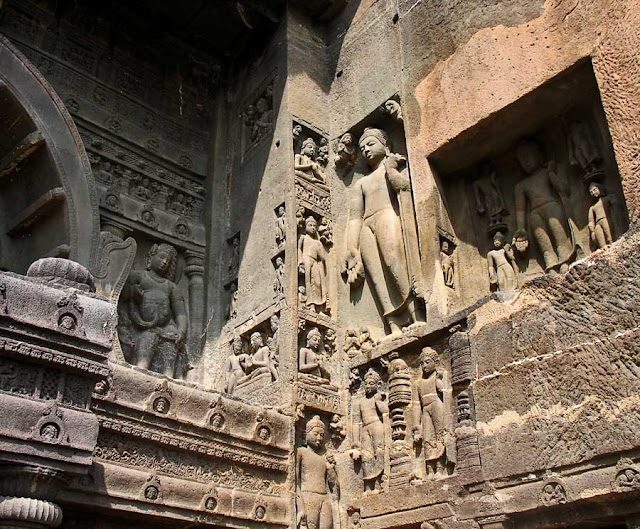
pixel 48 198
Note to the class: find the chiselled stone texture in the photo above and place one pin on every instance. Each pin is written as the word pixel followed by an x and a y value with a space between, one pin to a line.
pixel 365 264
pixel 572 345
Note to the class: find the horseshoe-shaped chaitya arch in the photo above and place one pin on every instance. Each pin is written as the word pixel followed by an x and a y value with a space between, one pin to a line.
pixel 46 184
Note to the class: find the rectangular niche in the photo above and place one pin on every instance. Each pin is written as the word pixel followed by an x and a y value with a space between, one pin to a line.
pixel 532 166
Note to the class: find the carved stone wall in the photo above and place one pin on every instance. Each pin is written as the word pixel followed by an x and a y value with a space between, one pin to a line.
pixel 373 264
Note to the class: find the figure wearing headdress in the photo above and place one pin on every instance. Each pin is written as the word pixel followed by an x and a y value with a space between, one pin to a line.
pixel 368 432
pixel 305 164
pixel 316 478
pixel 431 429
pixel 312 265
pixel 153 315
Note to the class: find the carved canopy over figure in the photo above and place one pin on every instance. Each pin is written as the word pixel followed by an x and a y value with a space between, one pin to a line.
pixel 153 317
pixel 381 232
pixel 539 208
pixel 316 479
pixel 368 432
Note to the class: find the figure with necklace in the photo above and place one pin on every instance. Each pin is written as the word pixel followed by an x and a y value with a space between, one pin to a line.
pixel 153 316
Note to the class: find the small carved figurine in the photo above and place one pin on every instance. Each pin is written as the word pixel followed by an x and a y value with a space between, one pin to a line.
pixel 488 197
pixel 310 358
pixel 233 301
pixel 323 152
pixel 429 410
pixel 330 341
pixel 346 152
pixel 503 271
pixel 234 259
pixel 313 266
pixel 366 342
pixel 153 315
pixel 325 233
pixel 368 432
pixel 281 227
pixel 316 478
pixel 599 225
pixel 260 360
pixel 178 205
pixel 234 370
pixel 447 264
pixel 300 217
pixel 337 429
pixel 351 343
pixel 392 107
pixel 306 165
pixel 278 284
pixel 302 296
pixel 263 119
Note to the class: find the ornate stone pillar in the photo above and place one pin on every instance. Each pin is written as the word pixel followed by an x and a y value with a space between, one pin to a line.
pixel 399 398
pixel 26 497
pixel 466 433
pixel 194 270
pixel 53 351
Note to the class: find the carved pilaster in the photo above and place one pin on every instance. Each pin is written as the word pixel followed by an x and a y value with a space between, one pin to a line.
pixel 401 464
pixel 194 270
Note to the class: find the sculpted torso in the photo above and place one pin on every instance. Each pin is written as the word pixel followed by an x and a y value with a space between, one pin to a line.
pixel 376 192
pixel 428 389
pixel 369 409
pixel 313 472
pixel 155 301
pixel 537 188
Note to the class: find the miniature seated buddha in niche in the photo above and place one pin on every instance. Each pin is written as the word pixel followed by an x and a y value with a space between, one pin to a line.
pixel 305 163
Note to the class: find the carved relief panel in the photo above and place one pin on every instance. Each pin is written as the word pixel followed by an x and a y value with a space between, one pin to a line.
pixel 405 414
pixel 541 196
pixel 380 252
pixel 254 358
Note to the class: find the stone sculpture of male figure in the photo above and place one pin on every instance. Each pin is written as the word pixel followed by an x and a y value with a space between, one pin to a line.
pixel 316 477
pixel 234 367
pixel 539 211
pixel 429 408
pixel 310 358
pixel 153 314
pixel 368 432
pixel 381 231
